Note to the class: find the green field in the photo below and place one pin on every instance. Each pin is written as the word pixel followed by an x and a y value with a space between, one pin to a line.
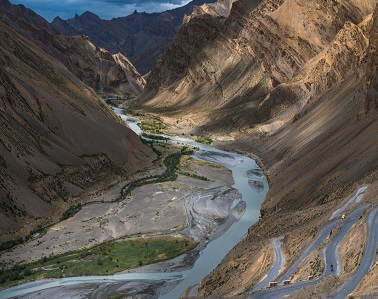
pixel 102 259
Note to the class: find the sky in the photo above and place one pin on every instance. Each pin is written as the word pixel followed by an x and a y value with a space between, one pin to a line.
pixel 105 9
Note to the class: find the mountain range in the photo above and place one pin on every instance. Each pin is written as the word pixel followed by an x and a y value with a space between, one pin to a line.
pixel 141 37
pixel 291 83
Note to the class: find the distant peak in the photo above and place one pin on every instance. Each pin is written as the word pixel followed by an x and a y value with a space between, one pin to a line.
pixel 57 19
pixel 90 15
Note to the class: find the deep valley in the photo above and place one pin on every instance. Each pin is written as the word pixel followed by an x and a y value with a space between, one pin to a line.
pixel 151 178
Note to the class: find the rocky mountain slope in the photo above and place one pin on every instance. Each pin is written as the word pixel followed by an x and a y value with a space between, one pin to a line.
pixel 218 8
pixel 58 139
pixel 106 73
pixel 295 83
pixel 141 37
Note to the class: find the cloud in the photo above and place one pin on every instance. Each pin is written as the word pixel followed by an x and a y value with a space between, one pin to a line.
pixel 105 9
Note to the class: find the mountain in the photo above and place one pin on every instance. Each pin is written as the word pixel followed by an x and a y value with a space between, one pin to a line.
pixel 106 73
pixel 141 37
pixel 218 8
pixel 294 84
pixel 26 14
pixel 236 63
pixel 58 138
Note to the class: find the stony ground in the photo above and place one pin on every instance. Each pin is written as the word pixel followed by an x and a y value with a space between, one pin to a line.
pixel 153 209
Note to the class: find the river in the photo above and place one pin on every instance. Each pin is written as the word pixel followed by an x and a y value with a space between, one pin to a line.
pixel 250 182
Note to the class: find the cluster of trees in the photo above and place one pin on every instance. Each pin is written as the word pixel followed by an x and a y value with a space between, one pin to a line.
pixel 171 163
pixel 72 210
pixel 156 137
pixel 16 273
pixel 12 243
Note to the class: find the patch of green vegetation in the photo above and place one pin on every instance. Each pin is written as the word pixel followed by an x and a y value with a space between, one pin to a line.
pixel 171 163
pixel 72 210
pixel 193 175
pixel 40 230
pixel 156 137
pixel 317 267
pixel 152 125
pixel 102 259
pixel 11 243
pixel 203 140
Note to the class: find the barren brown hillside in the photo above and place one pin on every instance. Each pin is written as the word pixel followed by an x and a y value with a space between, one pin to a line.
pixel 57 137
pixel 233 68
pixel 106 73
pixel 295 84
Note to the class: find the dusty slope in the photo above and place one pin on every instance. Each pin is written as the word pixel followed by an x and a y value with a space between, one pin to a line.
pixel 104 72
pixel 294 82
pixel 57 136
pixel 316 161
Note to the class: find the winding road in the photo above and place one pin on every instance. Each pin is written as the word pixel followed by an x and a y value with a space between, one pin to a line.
pixel 273 273
pixel 330 255
pixel 367 261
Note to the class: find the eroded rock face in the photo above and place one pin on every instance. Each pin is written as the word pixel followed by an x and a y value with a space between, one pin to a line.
pixel 108 74
pixel 240 64
pixel 372 60
pixel 218 8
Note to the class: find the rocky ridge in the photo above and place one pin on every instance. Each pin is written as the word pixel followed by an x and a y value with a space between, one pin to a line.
pixel 235 71
pixel 108 74
pixel 142 37
pixel 218 8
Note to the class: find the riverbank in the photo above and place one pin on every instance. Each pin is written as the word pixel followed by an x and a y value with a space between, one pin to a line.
pixel 197 204
pixel 212 208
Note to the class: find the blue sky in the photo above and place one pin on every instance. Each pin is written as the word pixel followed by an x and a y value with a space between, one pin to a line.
pixel 105 9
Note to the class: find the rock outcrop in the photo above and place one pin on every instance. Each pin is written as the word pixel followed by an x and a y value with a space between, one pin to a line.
pixel 220 8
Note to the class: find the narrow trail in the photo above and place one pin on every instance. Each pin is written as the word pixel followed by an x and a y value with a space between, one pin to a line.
pixel 367 261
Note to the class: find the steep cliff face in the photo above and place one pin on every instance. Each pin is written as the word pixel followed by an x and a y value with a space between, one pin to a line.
pixel 104 72
pixel 260 46
pixel 142 37
pixel 57 137
pixel 220 8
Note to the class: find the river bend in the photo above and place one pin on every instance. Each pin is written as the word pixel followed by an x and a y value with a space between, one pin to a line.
pixel 249 181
